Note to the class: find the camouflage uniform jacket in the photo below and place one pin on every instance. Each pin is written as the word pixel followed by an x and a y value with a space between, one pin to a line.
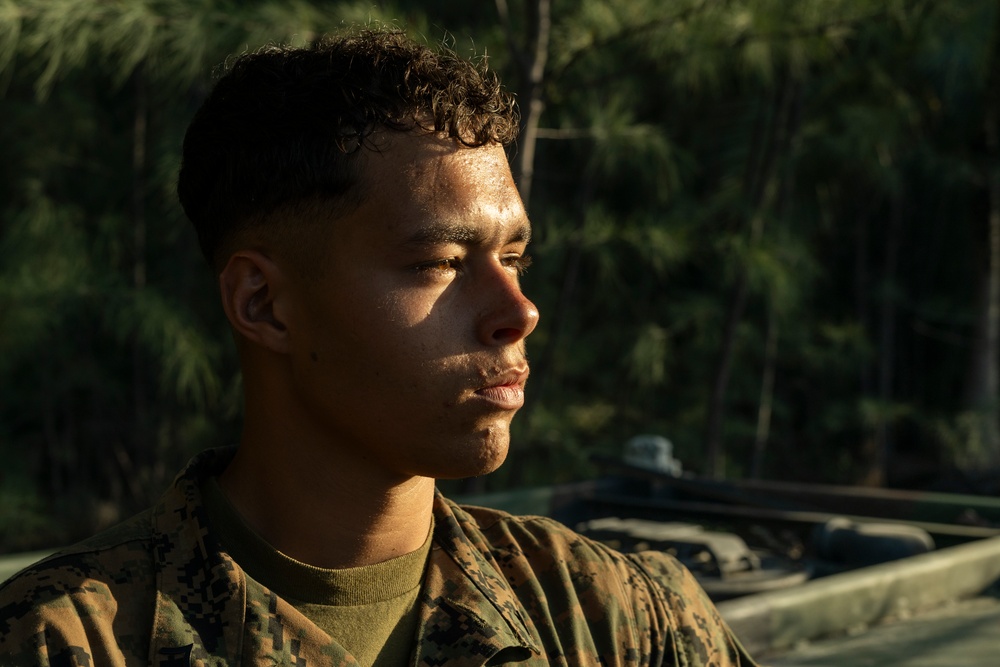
pixel 498 590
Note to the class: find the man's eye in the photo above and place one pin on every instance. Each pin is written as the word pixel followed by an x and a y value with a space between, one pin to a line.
pixel 443 264
pixel 519 263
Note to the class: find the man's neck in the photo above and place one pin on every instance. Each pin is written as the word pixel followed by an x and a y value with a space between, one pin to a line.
pixel 326 512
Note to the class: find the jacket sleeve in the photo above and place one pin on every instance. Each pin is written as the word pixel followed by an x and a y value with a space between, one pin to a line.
pixel 693 629
pixel 54 616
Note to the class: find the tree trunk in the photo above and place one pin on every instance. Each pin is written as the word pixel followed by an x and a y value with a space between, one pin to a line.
pixel 140 443
pixel 759 187
pixel 887 342
pixel 992 122
pixel 51 459
pixel 766 395
pixel 983 381
pixel 531 58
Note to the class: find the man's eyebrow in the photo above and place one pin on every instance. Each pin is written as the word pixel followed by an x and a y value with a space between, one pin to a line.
pixel 462 234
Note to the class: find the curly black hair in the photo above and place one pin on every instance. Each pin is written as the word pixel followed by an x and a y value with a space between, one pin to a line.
pixel 284 125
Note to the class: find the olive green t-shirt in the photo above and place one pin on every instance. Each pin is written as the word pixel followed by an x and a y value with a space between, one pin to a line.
pixel 371 611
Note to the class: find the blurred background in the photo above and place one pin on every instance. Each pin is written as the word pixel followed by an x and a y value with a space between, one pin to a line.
pixel 766 230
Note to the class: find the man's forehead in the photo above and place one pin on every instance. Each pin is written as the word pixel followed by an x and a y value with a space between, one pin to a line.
pixel 432 189
pixel 425 154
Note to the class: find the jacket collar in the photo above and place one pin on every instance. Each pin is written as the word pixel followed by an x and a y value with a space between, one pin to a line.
pixel 468 612
pixel 200 592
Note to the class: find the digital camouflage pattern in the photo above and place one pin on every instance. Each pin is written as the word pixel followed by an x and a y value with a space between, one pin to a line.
pixel 499 590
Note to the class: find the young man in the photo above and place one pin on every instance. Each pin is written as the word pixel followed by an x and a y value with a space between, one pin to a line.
pixel 355 201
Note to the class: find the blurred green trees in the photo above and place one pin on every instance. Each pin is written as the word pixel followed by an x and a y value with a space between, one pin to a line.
pixel 767 230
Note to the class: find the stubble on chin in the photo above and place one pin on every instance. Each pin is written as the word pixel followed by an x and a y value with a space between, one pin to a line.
pixel 481 455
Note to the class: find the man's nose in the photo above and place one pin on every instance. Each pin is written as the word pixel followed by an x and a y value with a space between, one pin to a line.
pixel 508 316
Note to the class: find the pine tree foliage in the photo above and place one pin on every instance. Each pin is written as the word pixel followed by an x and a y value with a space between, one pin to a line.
pixel 174 41
pixel 116 363
pixel 758 223
pixel 781 125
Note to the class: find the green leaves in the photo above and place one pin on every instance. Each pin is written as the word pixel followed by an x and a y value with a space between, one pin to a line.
pixel 185 355
pixel 705 170
pixel 176 42
pixel 647 361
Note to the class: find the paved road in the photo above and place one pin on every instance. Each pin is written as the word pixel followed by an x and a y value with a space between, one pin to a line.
pixel 964 634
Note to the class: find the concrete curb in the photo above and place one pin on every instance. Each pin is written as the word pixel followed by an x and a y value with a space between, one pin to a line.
pixel 839 603
pixel 13 563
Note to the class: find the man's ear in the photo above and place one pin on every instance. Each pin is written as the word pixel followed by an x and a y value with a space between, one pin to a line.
pixel 251 286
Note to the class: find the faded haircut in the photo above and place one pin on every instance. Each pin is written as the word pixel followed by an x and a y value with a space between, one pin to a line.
pixel 282 130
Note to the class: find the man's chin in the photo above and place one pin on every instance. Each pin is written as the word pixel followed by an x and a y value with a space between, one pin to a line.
pixel 487 458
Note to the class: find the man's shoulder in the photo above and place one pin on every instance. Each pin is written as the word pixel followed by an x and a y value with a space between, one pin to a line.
pixel 646 599
pixel 551 554
pixel 94 577
pixel 548 547
pixel 498 527
pixel 111 551
pixel 530 533
pixel 64 606
pixel 487 518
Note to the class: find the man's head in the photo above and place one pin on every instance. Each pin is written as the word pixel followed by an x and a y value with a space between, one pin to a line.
pixel 281 137
pixel 379 165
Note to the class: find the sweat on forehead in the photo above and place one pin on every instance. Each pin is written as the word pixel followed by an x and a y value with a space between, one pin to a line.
pixel 286 125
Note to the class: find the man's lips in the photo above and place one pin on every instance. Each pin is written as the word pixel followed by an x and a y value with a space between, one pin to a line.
pixel 505 390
